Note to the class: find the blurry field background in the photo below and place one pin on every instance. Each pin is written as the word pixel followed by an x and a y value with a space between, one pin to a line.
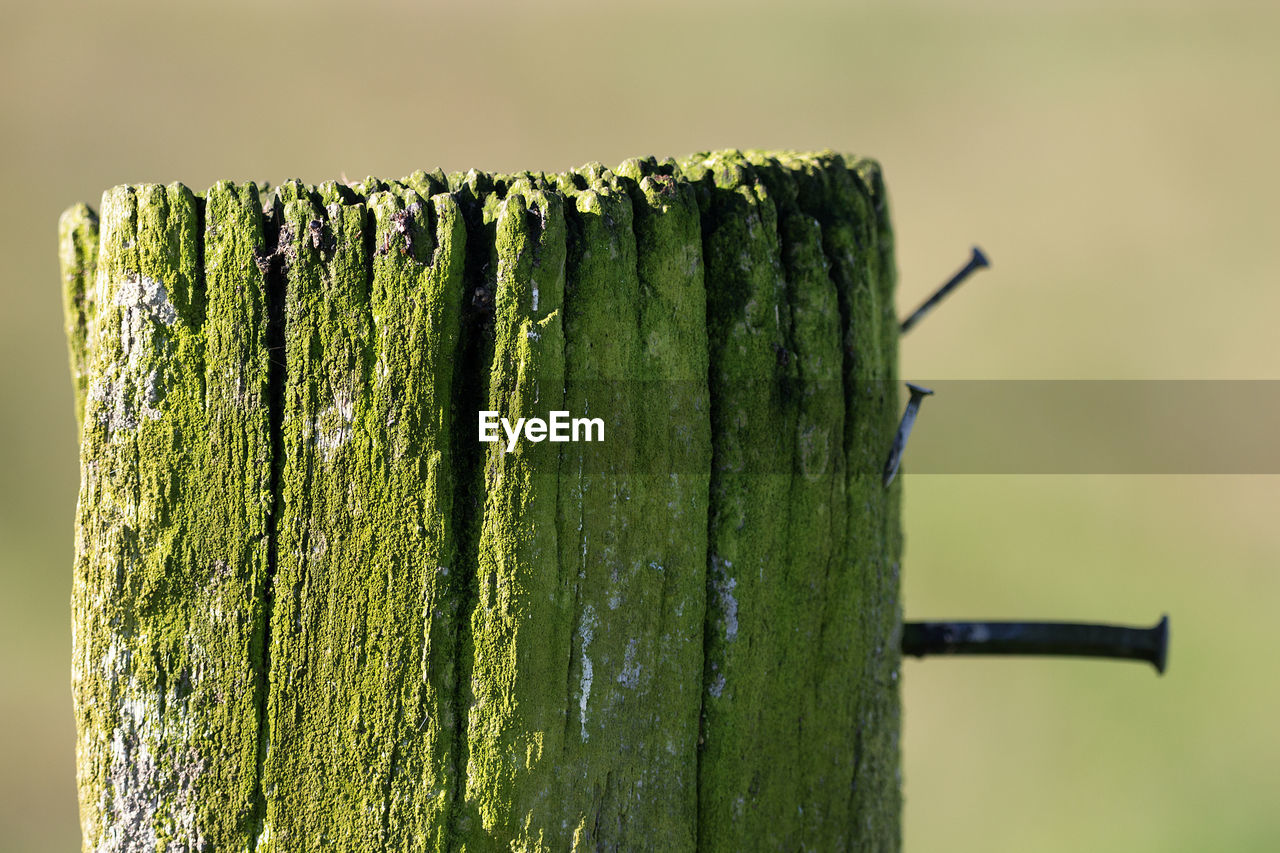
pixel 1117 160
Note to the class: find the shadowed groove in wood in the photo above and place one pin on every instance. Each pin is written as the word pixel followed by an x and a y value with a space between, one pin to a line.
pixel 683 639
pixel 267 258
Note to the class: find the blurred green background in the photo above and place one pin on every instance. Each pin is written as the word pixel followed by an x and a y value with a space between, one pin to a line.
pixel 1116 160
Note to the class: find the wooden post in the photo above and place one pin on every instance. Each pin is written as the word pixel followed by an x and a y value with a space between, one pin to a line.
pixel 312 610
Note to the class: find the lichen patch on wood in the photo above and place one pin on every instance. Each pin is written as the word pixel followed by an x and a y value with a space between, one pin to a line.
pixel 312 612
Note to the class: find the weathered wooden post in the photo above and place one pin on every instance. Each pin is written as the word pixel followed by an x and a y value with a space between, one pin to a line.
pixel 314 610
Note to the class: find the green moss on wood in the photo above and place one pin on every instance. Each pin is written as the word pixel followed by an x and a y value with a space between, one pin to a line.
pixel 751 767
pixel 829 649
pixel 78 258
pixel 171 544
pixel 513 705
pixel 633 759
pixel 673 457
pixel 365 615
pixel 313 612
pixel 854 226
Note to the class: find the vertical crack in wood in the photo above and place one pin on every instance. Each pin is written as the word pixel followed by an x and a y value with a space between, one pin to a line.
pixel 471 389
pixel 271 264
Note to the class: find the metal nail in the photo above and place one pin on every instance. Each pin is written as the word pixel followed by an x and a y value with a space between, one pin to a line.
pixel 904 430
pixel 976 262
pixel 1060 639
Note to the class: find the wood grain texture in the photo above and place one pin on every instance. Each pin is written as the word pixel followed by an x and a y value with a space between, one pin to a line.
pixel 314 612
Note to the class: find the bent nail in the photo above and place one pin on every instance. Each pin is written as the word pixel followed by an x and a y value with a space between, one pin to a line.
pixel 904 430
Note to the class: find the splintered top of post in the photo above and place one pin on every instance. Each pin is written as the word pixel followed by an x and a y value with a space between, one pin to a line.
pixel 835 184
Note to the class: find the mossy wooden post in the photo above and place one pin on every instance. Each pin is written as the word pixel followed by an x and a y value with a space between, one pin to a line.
pixel 313 611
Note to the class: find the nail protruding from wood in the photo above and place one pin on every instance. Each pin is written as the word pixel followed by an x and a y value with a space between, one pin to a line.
pixel 1056 639
pixel 976 262
pixel 904 429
